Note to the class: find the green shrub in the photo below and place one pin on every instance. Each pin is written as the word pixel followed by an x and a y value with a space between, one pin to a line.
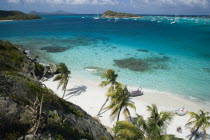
pixel 12 136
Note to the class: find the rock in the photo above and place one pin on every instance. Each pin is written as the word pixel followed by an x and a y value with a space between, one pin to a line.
pixel 53 67
pixel 30 137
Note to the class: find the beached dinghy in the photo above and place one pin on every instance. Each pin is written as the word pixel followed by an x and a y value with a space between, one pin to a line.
pixel 136 93
pixel 181 111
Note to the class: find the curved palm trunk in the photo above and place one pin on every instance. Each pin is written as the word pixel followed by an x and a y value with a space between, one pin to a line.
pixel 64 93
pixel 103 106
pixel 118 116
pixel 194 133
pixel 65 88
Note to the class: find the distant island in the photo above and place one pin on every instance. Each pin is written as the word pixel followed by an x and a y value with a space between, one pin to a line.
pixel 111 14
pixel 16 15
pixel 60 12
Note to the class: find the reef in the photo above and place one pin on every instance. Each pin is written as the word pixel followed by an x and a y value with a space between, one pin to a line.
pixel 142 65
pixel 206 70
pixel 54 49
pixel 142 50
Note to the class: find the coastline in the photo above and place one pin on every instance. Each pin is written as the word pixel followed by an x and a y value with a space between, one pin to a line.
pixel 90 97
pixel 5 20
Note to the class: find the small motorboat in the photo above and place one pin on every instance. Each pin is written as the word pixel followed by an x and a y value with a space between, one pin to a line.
pixel 181 111
pixel 136 93
pixel 173 22
pixel 96 18
pixel 91 70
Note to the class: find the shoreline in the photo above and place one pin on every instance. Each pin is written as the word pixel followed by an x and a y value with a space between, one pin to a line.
pixel 90 97
pixel 5 20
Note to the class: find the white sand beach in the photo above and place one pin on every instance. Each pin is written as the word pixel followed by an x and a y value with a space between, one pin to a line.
pixel 90 97
pixel 5 20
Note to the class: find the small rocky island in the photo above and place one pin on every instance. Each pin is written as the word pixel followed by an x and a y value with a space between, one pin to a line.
pixel 16 15
pixel 111 14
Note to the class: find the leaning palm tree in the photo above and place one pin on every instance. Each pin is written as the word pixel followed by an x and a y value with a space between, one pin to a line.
pixel 110 77
pixel 120 101
pixel 63 77
pixel 199 120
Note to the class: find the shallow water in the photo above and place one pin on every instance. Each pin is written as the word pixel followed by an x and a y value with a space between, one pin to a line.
pixel 85 42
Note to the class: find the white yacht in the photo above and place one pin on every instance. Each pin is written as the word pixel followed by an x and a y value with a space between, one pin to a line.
pixel 97 17
pixel 175 20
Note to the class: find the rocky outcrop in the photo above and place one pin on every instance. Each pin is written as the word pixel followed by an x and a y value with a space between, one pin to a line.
pixel 53 68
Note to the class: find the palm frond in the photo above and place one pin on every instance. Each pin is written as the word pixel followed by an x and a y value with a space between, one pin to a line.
pixel 104 83
pixel 128 131
pixel 127 114
pixel 58 77
pixel 60 83
pixel 131 105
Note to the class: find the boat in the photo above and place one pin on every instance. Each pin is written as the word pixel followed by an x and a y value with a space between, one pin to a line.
pixel 116 19
pixel 173 22
pixel 136 93
pixel 153 19
pixel 83 17
pixel 91 70
pixel 97 17
pixel 181 111
pixel 159 21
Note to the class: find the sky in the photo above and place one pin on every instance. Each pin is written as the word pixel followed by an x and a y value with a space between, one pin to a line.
pixel 178 7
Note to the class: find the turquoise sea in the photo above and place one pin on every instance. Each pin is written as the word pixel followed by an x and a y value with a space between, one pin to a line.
pixel 151 52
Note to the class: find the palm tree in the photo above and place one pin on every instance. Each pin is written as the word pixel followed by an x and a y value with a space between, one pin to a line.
pixel 124 130
pixel 158 122
pixel 110 77
pixel 120 101
pixel 63 77
pixel 200 120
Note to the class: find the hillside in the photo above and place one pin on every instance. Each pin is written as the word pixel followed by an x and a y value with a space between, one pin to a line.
pixel 29 110
pixel 60 12
pixel 111 14
pixel 16 15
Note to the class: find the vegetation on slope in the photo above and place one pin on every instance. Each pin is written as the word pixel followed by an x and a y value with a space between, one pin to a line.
pixel 111 14
pixel 16 15
pixel 30 110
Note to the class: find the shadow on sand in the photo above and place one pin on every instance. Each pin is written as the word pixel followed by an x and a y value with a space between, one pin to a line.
pixel 199 136
pixel 76 91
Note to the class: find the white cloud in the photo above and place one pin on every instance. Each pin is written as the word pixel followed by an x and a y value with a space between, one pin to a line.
pixel 198 3
pixel 70 2
pixel 134 3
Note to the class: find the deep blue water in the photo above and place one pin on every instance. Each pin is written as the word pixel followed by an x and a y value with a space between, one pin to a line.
pixel 89 42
